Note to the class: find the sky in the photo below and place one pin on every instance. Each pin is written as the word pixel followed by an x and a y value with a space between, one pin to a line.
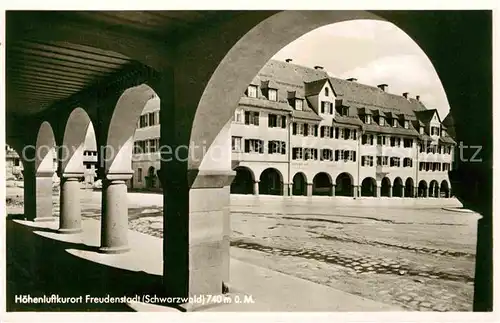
pixel 374 52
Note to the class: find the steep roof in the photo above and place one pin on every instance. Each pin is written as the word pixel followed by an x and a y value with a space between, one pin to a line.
pixel 425 115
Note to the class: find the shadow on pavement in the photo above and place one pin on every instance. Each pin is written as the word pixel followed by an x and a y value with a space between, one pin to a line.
pixel 39 266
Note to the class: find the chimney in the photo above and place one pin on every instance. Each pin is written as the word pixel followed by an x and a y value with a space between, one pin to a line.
pixel 383 87
pixel 288 60
pixel 352 79
pixel 417 97
pixel 317 67
pixel 406 95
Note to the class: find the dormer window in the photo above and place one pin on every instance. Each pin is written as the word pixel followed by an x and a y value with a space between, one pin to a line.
pixel 272 95
pixel 443 133
pixel 252 91
pixel 394 123
pixel 381 121
pixel 368 119
pixel 421 130
pixel 327 91
pixel 299 104
pixel 407 124
pixel 344 111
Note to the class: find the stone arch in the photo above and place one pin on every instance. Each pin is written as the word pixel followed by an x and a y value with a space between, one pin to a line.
pixel 243 181
pixel 299 186
pixel 344 185
pixel 444 188
pixel 434 188
pixel 409 187
pixel 322 184
pixel 397 187
pixel 120 136
pixel 385 187
pixel 271 182
pixel 251 44
pixel 74 141
pixel 369 187
pixel 422 189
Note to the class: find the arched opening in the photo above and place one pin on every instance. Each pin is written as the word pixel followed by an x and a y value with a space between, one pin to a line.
pixel 369 187
pixel 385 187
pixel 151 178
pixel 344 185
pixel 271 182
pixel 444 189
pixel 243 181
pixel 409 187
pixel 397 189
pixel 434 189
pixel 322 184
pixel 422 189
pixel 299 184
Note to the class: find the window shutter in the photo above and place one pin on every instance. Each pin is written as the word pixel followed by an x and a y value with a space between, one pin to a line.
pixel 294 128
pixel 336 155
pixel 269 147
pixel 256 118
pixel 306 129
pixel 270 120
pixel 283 121
pixel 283 148
pixel 322 132
pixel 247 117
pixel 322 107
pixel 331 132
pixel 353 156
pixel 331 108
pixel 247 145
pixel 315 130
pixel 336 133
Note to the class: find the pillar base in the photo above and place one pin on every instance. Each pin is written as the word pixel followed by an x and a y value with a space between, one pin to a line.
pixel 70 231
pixel 114 250
pixel 44 219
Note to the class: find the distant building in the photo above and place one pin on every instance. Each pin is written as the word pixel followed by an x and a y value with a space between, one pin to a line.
pixel 13 165
pixel 298 131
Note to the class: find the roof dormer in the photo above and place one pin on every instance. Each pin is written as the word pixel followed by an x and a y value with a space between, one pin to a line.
pixel 295 100
pixel 270 90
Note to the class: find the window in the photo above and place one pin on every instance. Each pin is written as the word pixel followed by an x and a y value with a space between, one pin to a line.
pixel 339 133
pixel 152 145
pixel 407 143
pixel 296 153
pixel 254 146
pixel 152 119
pixel 381 140
pixel 310 153
pixel 299 104
pixel 139 175
pixel 368 119
pixel 421 130
pixel 446 167
pixel 381 121
pixel 272 120
pixel 88 166
pixel 344 111
pixel 143 121
pixel 327 91
pixel 367 161
pixel 298 128
pixel 326 132
pixel 367 139
pixel 252 91
pixel 238 116
pixel 382 160
pixel 272 94
pixel 407 162
pixel 236 144
pixel 443 133
pixel 16 162
pixel 421 166
pixel 326 107
pixel 352 134
pixel 252 117
pixel 434 131
pixel 407 124
pixel 326 154
pixel 276 147
pixel 345 155
pixel 394 123
pixel 394 161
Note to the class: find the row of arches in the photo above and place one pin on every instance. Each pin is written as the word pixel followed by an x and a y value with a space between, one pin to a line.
pixel 271 182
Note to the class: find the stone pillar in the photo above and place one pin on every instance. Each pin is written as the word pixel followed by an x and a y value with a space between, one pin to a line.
pixel 438 192
pixel 290 189
pixel 256 187
pixel 70 219
pixel 43 197
pixel 309 189
pixel 390 191
pixel 379 191
pixel 415 191
pixel 332 190
pixel 429 193
pixel 29 191
pixel 196 232
pixel 114 220
pixel 285 189
pixel 355 192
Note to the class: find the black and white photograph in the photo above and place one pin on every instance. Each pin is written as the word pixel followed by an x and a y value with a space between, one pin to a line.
pixel 189 161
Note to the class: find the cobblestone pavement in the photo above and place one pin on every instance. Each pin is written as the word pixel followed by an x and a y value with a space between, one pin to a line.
pixel 420 258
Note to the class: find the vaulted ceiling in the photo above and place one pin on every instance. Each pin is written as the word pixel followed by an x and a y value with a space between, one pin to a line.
pixel 51 56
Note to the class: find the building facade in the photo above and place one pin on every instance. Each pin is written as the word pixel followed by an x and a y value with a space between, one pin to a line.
pixel 298 131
